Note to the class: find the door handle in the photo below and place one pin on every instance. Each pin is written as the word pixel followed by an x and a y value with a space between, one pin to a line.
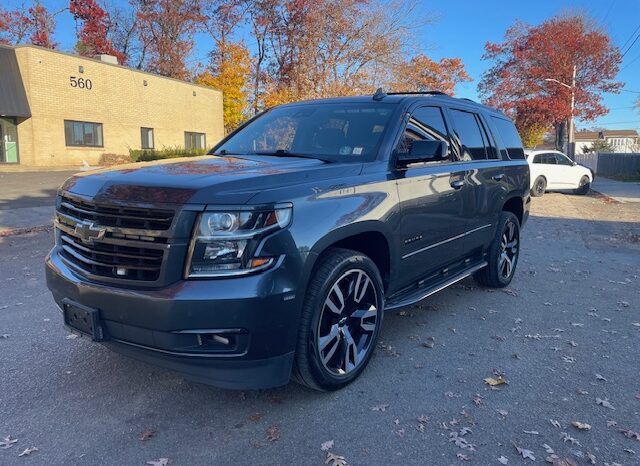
pixel 457 184
pixel 498 177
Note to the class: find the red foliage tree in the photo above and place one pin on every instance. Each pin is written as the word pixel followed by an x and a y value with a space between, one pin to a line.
pixel 35 26
pixel 166 28
pixel 92 36
pixel 518 82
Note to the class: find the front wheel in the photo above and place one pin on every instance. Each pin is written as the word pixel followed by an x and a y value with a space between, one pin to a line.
pixel 584 186
pixel 340 322
pixel 503 254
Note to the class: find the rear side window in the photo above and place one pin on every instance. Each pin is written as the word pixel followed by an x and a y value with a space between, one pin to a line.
pixel 425 123
pixel 472 140
pixel 509 137
pixel 547 159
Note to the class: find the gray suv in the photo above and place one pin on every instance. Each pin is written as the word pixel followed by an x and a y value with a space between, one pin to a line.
pixel 276 256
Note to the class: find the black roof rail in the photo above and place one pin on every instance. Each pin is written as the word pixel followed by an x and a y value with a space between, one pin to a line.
pixel 419 93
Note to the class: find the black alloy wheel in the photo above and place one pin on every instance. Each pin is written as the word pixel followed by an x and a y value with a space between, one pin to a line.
pixel 340 322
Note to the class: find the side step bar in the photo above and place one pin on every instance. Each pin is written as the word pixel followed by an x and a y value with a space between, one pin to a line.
pixel 424 292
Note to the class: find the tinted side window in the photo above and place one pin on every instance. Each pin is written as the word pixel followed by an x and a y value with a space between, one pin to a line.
pixel 563 160
pixel 537 158
pixel 425 123
pixel 470 133
pixel 510 138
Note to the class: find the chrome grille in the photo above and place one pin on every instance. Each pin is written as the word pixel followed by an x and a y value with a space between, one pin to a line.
pixel 132 247
pixel 117 216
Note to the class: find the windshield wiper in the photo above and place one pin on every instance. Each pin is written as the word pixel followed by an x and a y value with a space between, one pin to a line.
pixel 224 152
pixel 286 153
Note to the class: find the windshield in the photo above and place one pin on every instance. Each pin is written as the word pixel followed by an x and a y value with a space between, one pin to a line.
pixel 332 132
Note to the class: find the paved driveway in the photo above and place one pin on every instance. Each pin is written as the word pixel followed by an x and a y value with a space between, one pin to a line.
pixel 27 198
pixel 621 191
pixel 565 336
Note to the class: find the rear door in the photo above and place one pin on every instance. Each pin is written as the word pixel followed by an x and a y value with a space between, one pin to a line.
pixel 485 177
pixel 567 177
pixel 433 220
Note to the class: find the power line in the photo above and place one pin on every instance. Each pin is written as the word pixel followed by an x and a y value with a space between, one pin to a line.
pixel 630 37
pixel 633 92
pixel 631 46
pixel 629 64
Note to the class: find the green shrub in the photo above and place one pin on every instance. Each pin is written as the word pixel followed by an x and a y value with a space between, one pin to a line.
pixel 146 155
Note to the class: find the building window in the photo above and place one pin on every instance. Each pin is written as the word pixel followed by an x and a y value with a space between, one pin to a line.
pixel 146 135
pixel 82 134
pixel 194 140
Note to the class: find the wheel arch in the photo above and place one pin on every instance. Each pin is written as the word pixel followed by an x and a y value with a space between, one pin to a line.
pixel 515 205
pixel 371 238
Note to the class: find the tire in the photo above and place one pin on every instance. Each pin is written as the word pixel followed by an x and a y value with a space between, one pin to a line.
pixel 539 187
pixel 500 270
pixel 584 186
pixel 334 344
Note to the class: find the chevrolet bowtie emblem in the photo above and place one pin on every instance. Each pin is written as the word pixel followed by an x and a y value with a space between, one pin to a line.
pixel 88 232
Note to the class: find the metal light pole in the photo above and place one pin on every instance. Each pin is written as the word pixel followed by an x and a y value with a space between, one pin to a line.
pixel 572 143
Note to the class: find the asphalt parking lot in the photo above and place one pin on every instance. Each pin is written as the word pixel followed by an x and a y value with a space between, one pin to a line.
pixel 565 336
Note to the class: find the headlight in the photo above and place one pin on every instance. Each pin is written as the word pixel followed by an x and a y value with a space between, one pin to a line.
pixel 224 243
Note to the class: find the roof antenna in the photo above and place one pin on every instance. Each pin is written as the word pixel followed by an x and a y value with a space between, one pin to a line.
pixel 379 95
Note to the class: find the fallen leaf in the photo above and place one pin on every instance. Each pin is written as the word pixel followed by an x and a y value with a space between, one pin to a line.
pixel 604 403
pixel 631 434
pixel 326 446
pixel 531 432
pixel 568 438
pixel 7 442
pixel 627 450
pixel 71 336
pixel 461 442
pixel 147 434
pixel 503 460
pixel 28 451
pixel 423 419
pixel 273 433
pixel 502 412
pixel 255 417
pixel 599 377
pixel 159 462
pixel 493 382
pixel 611 423
pixel 335 460
pixel 555 460
pixel 581 425
pixel 580 391
pixel 526 454
pixel 462 457
pixel 591 457
pixel 381 408
pixel 400 432
pixel 555 423
pixel 547 448
pixel 570 359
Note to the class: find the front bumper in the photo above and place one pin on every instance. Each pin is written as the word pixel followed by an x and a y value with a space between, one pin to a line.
pixel 178 326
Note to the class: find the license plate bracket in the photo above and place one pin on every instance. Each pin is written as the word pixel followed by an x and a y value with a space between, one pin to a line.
pixel 83 319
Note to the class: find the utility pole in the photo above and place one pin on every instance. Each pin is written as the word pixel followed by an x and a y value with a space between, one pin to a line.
pixel 571 146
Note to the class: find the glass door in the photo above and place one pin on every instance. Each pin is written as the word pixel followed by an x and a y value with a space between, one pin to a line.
pixel 8 140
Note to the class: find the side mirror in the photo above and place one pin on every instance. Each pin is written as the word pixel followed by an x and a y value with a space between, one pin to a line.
pixel 424 151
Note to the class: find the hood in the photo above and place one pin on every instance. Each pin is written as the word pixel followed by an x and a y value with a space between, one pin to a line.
pixel 205 180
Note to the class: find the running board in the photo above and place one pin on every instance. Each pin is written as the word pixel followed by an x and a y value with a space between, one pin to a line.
pixel 422 293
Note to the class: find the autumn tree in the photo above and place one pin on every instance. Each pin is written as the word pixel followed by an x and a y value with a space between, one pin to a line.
pixel 527 66
pixel 34 26
pixel 421 73
pixel 93 34
pixel 229 75
pixel 166 29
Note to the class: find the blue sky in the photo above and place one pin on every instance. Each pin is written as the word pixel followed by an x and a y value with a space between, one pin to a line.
pixel 461 28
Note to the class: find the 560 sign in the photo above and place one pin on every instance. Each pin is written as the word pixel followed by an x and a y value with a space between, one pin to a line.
pixel 80 83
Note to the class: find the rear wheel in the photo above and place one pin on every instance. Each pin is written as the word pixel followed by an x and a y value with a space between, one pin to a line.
pixel 503 254
pixel 341 320
pixel 584 186
pixel 539 187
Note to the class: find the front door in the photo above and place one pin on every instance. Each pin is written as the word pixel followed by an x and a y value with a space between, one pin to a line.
pixel 8 140
pixel 432 223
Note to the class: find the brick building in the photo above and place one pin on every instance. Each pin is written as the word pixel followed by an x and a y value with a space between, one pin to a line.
pixel 59 109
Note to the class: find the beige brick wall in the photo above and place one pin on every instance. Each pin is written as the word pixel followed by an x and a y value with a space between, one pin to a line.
pixel 118 99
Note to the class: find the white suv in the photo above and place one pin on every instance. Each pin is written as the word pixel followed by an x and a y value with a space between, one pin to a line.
pixel 552 170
